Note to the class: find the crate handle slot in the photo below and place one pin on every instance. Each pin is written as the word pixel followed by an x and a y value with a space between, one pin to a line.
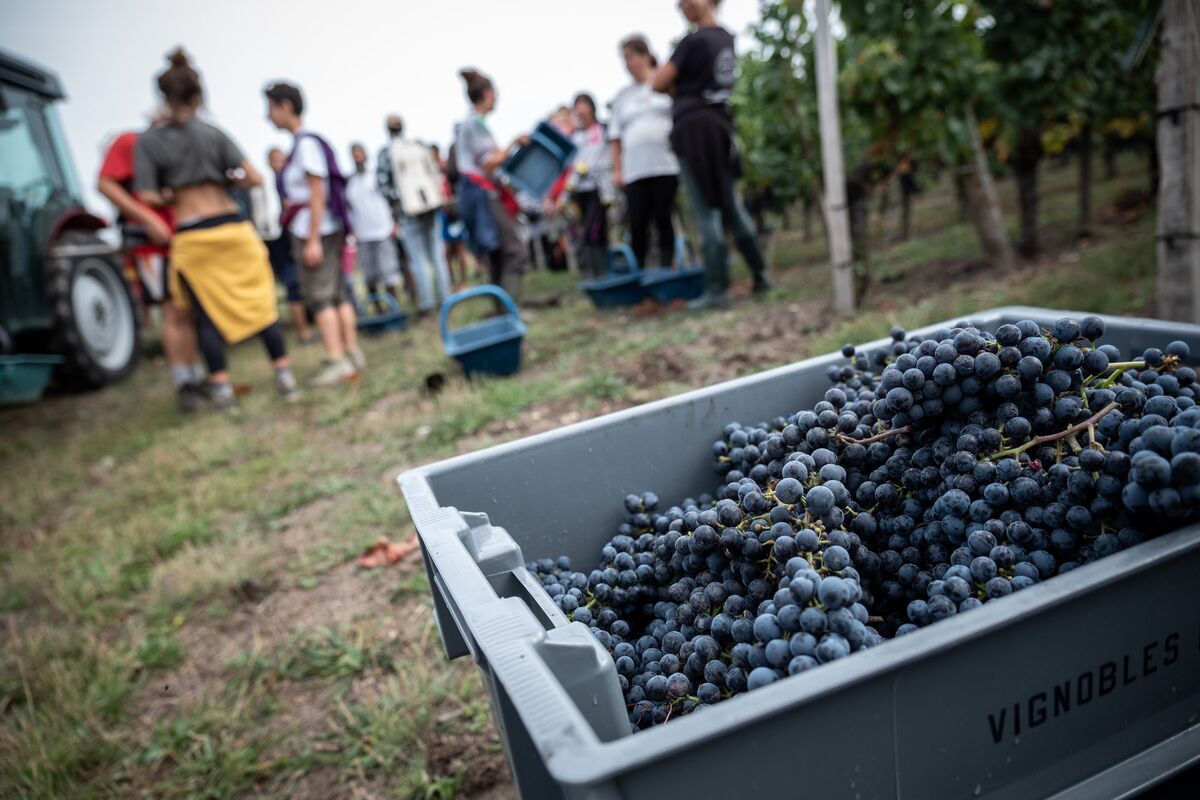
pixel 562 683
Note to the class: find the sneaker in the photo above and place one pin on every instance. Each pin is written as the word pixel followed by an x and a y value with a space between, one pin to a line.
pixel 222 396
pixel 762 285
pixel 285 384
pixel 191 398
pixel 357 358
pixel 334 372
pixel 707 301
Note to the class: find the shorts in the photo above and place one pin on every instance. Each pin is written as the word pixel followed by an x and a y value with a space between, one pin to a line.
pixel 379 263
pixel 321 286
pixel 284 266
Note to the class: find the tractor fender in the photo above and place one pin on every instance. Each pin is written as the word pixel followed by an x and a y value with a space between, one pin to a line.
pixel 74 219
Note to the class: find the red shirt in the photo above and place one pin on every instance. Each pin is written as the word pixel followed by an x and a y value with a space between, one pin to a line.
pixel 118 165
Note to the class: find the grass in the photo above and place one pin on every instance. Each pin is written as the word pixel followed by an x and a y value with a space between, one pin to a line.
pixel 180 616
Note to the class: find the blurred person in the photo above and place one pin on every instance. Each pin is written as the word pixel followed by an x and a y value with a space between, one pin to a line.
pixel 561 118
pixel 454 232
pixel 279 248
pixel 555 243
pixel 489 210
pixel 590 185
pixel 146 241
pixel 411 178
pixel 643 162
pixel 701 74
pixel 318 219
pixel 395 127
pixel 537 228
pixel 221 268
pixel 374 228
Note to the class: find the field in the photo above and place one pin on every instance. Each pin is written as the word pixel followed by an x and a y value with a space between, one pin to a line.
pixel 181 615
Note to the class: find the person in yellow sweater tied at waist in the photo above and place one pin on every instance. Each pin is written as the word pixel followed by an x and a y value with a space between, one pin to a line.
pixel 221 267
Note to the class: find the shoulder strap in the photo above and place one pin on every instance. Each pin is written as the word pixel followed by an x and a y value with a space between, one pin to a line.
pixel 339 206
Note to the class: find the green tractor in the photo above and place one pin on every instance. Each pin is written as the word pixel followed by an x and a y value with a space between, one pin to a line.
pixel 62 290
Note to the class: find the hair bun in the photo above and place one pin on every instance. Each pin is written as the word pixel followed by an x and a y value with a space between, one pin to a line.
pixel 178 58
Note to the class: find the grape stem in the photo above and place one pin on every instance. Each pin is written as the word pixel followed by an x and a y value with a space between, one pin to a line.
pixel 1124 365
pixel 1056 437
pixel 879 437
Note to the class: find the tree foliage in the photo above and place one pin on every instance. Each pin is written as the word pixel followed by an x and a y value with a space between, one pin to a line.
pixel 1059 63
pixel 1038 74
pixel 776 107
pixel 911 69
pixel 1059 66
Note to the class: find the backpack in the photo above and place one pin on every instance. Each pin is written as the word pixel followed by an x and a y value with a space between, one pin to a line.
pixel 418 178
pixel 336 202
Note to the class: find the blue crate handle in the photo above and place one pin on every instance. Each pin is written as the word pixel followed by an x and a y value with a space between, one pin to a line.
pixel 626 252
pixel 469 294
pixel 391 302
pixel 683 248
pixel 560 153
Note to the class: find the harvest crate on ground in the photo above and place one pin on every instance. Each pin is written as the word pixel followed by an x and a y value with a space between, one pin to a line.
pixel 1086 682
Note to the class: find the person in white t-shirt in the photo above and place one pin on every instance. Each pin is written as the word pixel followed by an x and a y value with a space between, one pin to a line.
pixel 319 235
pixel 374 227
pixel 643 162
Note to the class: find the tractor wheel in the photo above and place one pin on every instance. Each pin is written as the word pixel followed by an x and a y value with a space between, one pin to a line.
pixel 95 327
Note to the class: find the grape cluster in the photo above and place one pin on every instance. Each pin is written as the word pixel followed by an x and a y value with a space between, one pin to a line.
pixel 933 477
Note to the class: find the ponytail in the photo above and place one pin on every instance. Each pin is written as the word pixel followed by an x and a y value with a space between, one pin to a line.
pixel 180 83
pixel 477 84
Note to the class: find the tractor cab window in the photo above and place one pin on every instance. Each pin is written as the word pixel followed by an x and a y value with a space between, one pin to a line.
pixel 29 164
pixel 58 140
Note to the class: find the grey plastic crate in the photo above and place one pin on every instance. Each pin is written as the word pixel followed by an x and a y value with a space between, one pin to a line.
pixel 1087 685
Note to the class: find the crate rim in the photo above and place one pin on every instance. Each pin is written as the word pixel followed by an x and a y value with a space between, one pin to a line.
pixel 38 359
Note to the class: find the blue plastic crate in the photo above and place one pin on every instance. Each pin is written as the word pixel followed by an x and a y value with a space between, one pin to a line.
pixel 23 378
pixel 623 284
pixel 375 324
pixel 534 167
pixel 668 285
pixel 490 347
pixel 685 282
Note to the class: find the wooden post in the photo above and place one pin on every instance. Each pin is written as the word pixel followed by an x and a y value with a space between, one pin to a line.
pixel 984 203
pixel 1085 180
pixel 838 224
pixel 1178 240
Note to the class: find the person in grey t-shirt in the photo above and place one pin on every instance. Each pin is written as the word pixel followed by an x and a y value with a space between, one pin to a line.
pixel 220 266
pixel 487 209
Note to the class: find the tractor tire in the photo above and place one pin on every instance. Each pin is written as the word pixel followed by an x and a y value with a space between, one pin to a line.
pixel 96 329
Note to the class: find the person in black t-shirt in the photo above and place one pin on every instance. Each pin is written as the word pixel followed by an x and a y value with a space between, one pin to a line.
pixel 700 75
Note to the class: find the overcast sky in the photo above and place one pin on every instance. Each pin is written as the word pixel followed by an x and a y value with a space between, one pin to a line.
pixel 356 61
